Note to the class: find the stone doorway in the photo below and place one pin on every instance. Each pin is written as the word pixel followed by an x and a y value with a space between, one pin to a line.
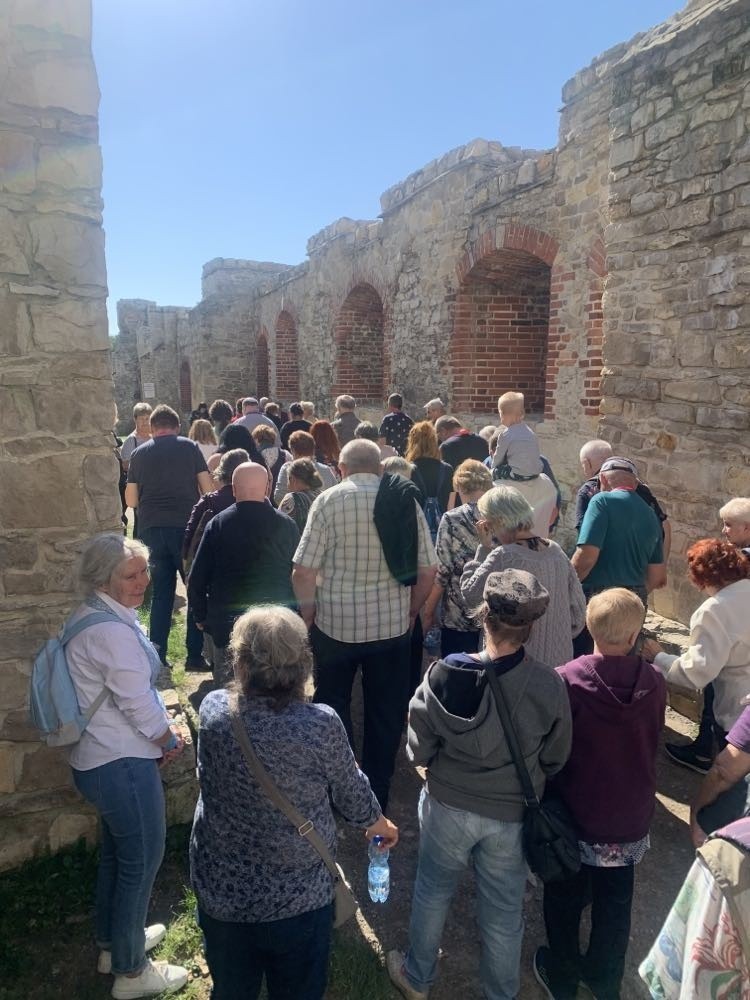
pixel 500 332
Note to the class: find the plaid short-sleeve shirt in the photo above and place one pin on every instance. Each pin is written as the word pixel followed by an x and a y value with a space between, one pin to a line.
pixel 357 598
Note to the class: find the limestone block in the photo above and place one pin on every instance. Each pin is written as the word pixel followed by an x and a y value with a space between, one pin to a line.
pixel 694 390
pixel 722 417
pixel 58 81
pixel 662 131
pixel 22 837
pixel 71 252
pixel 19 552
pixel 71 167
pixel 625 151
pixel 738 394
pixel 13 244
pixel 11 758
pixel 716 112
pixel 16 412
pixel 52 16
pixel 648 201
pixel 695 350
pixel 691 213
pixel 68 828
pixel 43 769
pixel 17 169
pixel 680 412
pixel 15 726
pixel 42 493
pixel 636 388
pixel 737 481
pixel 732 352
pixel 43 291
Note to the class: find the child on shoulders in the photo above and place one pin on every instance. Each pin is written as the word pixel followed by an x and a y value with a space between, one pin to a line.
pixel 618 701
pixel 517 451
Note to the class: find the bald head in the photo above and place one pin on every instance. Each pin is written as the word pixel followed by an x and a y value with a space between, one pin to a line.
pixel 250 481
pixel 593 454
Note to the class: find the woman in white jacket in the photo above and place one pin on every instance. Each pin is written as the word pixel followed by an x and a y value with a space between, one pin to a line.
pixel 719 649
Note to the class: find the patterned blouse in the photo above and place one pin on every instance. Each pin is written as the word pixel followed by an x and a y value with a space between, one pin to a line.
pixel 247 862
pixel 456 543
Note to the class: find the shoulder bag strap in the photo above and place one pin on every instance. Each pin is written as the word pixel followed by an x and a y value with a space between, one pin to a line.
pixel 511 736
pixel 304 826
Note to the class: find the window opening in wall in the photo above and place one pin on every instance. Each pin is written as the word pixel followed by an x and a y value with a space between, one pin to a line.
pixel 358 337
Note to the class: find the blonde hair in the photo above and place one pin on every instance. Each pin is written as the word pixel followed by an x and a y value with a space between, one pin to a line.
pixel 510 401
pixel 614 615
pixel 308 409
pixel 202 432
pixel 738 508
pixel 472 476
pixel 423 442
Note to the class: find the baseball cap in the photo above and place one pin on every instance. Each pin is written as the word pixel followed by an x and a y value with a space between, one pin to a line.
pixel 619 464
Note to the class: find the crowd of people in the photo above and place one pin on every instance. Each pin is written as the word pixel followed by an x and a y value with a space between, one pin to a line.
pixel 316 550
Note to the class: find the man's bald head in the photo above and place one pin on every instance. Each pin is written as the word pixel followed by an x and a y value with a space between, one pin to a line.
pixel 250 481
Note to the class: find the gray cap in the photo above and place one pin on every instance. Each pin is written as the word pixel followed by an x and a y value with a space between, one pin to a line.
pixel 616 464
pixel 515 597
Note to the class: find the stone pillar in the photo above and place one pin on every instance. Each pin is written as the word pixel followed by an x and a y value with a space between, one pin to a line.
pixel 58 474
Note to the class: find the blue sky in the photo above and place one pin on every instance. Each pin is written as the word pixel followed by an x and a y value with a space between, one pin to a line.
pixel 238 128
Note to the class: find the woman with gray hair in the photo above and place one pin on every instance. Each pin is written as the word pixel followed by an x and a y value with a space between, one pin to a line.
pixel 116 762
pixel 264 894
pixel 508 541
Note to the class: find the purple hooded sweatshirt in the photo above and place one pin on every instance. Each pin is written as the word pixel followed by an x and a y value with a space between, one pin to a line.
pixel 609 781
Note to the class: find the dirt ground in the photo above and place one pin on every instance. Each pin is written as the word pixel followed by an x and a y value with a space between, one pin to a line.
pixel 658 879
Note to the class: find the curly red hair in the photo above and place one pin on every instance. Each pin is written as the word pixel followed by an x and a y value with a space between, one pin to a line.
pixel 713 563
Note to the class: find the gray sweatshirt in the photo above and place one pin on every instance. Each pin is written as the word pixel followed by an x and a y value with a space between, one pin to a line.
pixel 455 730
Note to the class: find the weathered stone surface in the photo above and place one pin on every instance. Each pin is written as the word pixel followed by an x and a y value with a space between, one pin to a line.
pixel 697 391
pixel 13 248
pixel 69 250
pixel 41 493
pixel 70 167
pixel 17 164
pixel 59 81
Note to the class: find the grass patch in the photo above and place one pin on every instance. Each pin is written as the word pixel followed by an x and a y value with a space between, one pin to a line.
pixel 356 971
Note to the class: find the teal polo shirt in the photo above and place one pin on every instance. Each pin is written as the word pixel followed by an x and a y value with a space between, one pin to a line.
pixel 628 535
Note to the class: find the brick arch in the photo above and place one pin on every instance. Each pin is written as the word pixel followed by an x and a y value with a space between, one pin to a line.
pixel 262 365
pixel 287 357
pixel 186 386
pixel 503 319
pixel 358 335
pixel 593 361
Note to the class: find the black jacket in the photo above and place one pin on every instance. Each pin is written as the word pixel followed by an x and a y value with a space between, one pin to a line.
pixel 244 558
pixel 395 518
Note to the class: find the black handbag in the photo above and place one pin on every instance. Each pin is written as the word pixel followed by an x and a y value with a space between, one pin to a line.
pixel 550 840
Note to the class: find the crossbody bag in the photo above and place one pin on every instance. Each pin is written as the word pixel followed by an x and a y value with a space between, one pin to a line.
pixel 344 901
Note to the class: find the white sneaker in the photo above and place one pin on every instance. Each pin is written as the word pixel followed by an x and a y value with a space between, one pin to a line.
pixel 157 977
pixel 154 935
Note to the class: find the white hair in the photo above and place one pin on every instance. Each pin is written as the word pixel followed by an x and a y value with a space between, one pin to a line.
pixel 398 465
pixel 346 403
pixel 738 508
pixel 100 557
pixel 596 452
pixel 360 455
pixel 488 432
pixel 506 509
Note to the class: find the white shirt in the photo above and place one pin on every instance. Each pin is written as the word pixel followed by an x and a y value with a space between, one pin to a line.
pixel 132 717
pixel 542 497
pixel 207 450
pixel 719 652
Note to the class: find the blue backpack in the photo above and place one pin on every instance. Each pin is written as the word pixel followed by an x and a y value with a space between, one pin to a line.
pixel 53 702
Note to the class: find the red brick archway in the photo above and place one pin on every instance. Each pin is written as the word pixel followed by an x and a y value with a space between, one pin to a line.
pixel 358 336
pixel 186 386
pixel 287 361
pixel 262 366
pixel 593 362
pixel 504 320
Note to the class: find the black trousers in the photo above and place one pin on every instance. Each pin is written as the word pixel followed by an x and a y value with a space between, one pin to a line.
pixel 385 686
pixel 603 965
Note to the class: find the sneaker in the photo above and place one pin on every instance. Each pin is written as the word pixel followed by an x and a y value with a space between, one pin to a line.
pixel 157 977
pixel 541 973
pixel 154 935
pixel 394 963
pixel 689 756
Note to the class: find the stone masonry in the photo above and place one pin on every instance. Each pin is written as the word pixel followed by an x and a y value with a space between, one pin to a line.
pixel 57 469
pixel 622 252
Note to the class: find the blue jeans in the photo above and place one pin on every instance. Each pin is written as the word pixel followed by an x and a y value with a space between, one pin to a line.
pixel 165 562
pixel 129 797
pixel 450 840
pixel 291 953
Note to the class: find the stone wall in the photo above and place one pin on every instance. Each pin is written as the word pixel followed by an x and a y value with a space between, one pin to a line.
pixel 57 471
pixel 622 251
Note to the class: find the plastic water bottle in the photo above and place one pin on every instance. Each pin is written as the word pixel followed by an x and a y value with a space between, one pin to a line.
pixel 378 875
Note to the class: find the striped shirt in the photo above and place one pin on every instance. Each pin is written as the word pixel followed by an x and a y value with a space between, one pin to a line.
pixel 357 598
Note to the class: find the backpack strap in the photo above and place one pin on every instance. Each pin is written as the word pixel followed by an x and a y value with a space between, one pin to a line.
pixel 71 631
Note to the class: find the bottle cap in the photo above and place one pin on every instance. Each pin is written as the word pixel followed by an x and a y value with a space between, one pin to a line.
pixel 378 840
